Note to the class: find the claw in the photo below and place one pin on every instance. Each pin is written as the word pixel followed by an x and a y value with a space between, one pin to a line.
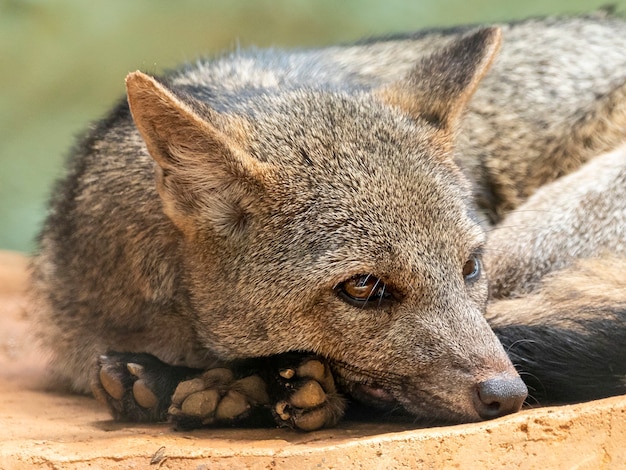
pixel 281 410
pixel 135 369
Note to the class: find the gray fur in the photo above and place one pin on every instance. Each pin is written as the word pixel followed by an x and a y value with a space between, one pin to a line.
pixel 292 171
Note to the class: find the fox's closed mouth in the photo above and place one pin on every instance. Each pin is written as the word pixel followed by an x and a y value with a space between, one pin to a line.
pixel 363 386
pixel 374 396
pixel 376 392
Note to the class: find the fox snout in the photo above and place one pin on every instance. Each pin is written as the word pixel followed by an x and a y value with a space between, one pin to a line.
pixel 499 395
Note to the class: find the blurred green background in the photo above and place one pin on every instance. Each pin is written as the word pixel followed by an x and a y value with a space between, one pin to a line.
pixel 63 63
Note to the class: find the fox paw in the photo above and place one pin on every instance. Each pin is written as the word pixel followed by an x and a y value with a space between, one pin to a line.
pixel 310 398
pixel 137 387
pixel 216 398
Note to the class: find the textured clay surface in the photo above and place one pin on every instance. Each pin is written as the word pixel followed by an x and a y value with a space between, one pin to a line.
pixel 44 429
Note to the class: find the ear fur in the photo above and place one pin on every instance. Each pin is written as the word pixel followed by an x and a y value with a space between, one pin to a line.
pixel 440 85
pixel 203 175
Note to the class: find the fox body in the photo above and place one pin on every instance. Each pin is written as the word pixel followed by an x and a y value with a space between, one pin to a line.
pixel 336 202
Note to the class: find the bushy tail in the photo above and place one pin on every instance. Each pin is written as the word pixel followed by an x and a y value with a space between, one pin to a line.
pixel 568 337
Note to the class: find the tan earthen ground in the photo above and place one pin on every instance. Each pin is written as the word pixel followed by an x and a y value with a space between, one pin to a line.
pixel 47 430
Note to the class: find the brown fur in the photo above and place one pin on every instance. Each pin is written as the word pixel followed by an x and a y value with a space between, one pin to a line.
pixel 225 218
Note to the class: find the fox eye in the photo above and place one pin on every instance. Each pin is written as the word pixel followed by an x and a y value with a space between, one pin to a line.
pixel 471 269
pixel 364 290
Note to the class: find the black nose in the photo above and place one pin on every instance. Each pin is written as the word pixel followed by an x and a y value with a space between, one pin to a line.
pixel 499 396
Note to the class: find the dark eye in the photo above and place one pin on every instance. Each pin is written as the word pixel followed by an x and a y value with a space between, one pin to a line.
pixel 471 269
pixel 364 290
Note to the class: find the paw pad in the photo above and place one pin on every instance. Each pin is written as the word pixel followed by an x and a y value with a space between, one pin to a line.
pixel 136 386
pixel 311 399
pixel 215 397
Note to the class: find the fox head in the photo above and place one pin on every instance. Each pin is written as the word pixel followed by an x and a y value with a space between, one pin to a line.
pixel 336 221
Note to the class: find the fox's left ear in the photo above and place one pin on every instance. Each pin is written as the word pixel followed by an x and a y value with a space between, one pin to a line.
pixel 440 85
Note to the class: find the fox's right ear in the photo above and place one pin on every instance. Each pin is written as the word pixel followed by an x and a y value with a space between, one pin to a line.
pixel 440 85
pixel 204 176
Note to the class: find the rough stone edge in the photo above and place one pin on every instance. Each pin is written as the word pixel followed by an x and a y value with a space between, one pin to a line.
pixel 590 435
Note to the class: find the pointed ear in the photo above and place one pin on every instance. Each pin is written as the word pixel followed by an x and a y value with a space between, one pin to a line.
pixel 440 85
pixel 203 175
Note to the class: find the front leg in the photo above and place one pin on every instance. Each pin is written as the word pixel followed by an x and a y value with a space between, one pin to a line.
pixel 219 397
pixel 137 387
pixel 297 390
pixel 293 390
pixel 304 393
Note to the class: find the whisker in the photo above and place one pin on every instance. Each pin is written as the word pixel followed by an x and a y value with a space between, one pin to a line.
pixel 518 342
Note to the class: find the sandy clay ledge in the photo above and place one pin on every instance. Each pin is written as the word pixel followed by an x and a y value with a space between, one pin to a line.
pixel 46 430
